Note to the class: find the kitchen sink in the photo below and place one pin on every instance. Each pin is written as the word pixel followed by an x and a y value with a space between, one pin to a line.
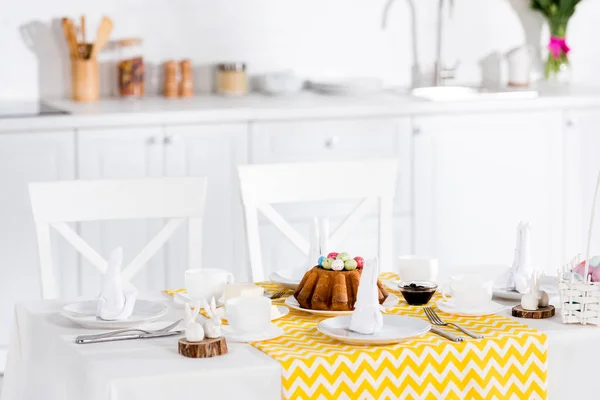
pixel 465 93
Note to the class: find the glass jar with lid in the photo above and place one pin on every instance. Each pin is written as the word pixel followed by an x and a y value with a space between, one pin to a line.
pixel 130 68
pixel 232 79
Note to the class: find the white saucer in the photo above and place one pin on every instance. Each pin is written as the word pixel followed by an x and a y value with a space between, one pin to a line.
pixel 396 329
pixel 283 311
pixel 84 313
pixel 291 302
pixel 488 308
pixel 272 332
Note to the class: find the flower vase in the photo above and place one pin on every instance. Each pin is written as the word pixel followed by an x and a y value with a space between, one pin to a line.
pixel 558 69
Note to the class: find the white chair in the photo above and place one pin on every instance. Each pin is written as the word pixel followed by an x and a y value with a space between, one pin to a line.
pixel 264 185
pixel 55 204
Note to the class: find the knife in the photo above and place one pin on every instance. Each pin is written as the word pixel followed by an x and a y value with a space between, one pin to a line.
pixel 446 335
pixel 84 340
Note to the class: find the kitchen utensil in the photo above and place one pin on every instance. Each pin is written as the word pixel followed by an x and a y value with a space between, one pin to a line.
pixel 83 313
pixel 102 35
pixel 395 329
pixel 129 337
pixel 437 321
pixel 292 303
pixel 274 296
pixel 132 330
pixel 446 335
pixel 71 37
pixel 418 268
pixel 468 290
pixel 82 27
pixel 477 310
pixel 206 283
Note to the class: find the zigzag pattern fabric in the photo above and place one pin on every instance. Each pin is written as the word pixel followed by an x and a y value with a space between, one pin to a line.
pixel 510 363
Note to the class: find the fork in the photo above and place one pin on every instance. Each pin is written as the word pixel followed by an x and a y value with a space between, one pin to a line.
pixel 274 296
pixel 120 331
pixel 436 320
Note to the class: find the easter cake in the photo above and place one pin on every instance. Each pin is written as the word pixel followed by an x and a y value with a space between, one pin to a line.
pixel 332 285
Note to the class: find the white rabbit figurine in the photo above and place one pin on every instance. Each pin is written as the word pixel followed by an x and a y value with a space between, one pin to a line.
pixel 193 330
pixel 212 327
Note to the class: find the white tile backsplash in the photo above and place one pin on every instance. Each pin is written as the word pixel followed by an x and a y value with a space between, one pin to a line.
pixel 313 37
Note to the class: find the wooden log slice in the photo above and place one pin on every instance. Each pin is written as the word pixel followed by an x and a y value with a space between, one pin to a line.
pixel 540 313
pixel 204 349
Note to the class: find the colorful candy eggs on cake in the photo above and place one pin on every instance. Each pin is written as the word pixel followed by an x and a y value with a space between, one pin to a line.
pixel 340 261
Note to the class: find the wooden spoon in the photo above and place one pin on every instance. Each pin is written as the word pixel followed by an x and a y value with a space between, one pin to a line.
pixel 102 35
pixel 71 37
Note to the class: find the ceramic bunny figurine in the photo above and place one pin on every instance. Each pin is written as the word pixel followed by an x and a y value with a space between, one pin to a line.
pixel 193 330
pixel 530 301
pixel 212 327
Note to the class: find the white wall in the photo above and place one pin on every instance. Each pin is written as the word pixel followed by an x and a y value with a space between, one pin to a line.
pixel 314 37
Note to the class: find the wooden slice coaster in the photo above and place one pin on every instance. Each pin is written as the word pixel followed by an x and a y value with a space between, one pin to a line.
pixel 540 313
pixel 204 349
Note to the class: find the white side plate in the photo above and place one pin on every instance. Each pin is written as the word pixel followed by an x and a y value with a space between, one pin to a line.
pixel 84 313
pixel 489 308
pixel 396 329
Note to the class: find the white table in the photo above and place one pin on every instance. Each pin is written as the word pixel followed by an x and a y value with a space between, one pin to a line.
pixel 44 363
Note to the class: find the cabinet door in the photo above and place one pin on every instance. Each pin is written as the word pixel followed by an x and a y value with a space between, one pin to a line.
pixel 26 158
pixel 477 176
pixel 582 155
pixel 213 151
pixel 121 153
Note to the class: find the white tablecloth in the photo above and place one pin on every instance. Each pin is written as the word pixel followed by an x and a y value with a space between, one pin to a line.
pixel 45 363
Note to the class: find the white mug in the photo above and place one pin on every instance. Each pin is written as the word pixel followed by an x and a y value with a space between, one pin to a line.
pixel 468 291
pixel 249 314
pixel 418 268
pixel 205 283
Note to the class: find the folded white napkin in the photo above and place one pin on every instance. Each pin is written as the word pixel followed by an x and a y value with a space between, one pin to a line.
pixel 522 269
pixel 367 318
pixel 116 299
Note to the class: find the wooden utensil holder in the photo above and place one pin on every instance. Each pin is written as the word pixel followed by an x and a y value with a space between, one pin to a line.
pixel 84 79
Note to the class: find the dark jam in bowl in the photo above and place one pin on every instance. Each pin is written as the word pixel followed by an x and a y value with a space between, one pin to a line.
pixel 417 293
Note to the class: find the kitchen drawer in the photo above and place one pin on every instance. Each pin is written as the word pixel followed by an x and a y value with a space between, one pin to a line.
pixel 341 139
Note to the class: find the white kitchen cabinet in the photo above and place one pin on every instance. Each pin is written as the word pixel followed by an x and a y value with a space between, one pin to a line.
pixel 477 176
pixel 582 155
pixel 213 151
pixel 26 158
pixel 121 153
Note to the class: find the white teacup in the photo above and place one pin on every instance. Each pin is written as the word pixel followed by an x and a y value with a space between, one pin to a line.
pixel 247 315
pixel 205 283
pixel 418 268
pixel 468 291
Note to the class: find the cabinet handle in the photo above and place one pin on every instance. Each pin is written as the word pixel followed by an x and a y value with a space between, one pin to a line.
pixel 570 123
pixel 151 141
pixel 417 130
pixel 167 140
pixel 332 142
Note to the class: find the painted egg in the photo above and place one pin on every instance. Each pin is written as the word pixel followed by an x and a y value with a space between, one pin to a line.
pixel 595 261
pixel 596 275
pixel 337 265
pixel 320 261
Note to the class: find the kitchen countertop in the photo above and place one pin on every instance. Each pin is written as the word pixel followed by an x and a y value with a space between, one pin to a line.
pixel 256 107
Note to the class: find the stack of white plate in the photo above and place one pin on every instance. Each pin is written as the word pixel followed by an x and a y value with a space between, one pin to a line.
pixel 288 278
pixel 347 86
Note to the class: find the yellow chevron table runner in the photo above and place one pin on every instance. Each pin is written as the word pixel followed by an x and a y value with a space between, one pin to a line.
pixel 510 363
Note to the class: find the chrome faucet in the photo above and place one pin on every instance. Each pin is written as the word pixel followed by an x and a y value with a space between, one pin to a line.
pixel 442 73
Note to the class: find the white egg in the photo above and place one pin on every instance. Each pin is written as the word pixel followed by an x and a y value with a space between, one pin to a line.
pixel 544 299
pixel 337 265
pixel 529 302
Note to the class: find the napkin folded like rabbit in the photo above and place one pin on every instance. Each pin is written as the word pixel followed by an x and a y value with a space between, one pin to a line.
pixel 522 269
pixel 367 318
pixel 116 299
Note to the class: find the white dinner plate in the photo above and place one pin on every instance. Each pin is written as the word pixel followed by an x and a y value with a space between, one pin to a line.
pixel 272 332
pixel 285 279
pixel 84 313
pixel 291 302
pixel 396 329
pixel 488 308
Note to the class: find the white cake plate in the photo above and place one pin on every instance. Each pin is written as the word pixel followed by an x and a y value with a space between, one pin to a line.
pixel 292 303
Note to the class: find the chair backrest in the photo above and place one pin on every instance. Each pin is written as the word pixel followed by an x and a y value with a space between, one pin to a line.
pixel 263 185
pixel 55 204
